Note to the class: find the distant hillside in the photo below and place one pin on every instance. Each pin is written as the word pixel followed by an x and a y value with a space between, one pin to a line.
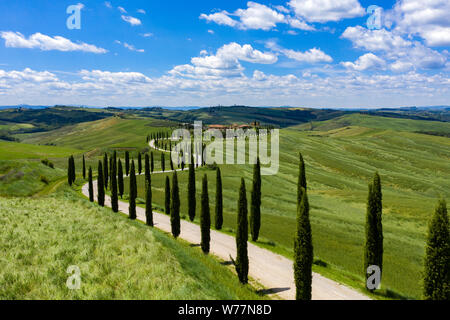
pixel 379 122
pixel 51 118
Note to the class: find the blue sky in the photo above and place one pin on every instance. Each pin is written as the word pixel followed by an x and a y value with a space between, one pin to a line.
pixel 307 53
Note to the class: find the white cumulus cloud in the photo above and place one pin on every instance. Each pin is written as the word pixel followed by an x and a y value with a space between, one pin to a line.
pixel 46 43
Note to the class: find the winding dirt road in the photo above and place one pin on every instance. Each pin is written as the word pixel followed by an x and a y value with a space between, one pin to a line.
pixel 273 271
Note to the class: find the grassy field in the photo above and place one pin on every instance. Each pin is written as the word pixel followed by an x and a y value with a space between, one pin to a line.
pixel 25 178
pixel 376 122
pixel 14 150
pixel 415 169
pixel 118 258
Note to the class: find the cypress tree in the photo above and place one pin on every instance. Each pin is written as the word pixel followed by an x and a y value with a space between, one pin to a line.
pixel 167 197
pixel 303 251
pixel 91 186
pixel 84 168
pixel 100 185
pixel 301 179
pixel 114 195
pixel 175 207
pixel 152 162
pixel 148 203
pixel 69 171
pixel 133 192
pixel 171 161
pixel 205 217
pixel 74 174
pixel 163 162
pixel 371 249
pixel 379 209
pixel 241 262
pixel 120 179
pixel 147 167
pixel 255 212
pixel 191 190
pixel 127 163
pixel 105 170
pixel 139 163
pixel 219 201
pixel 437 257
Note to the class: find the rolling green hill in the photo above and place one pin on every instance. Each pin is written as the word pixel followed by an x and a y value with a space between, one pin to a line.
pixel 25 178
pixel 14 150
pixel 118 258
pixel 377 122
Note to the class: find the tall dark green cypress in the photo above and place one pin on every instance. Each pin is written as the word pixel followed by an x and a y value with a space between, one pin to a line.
pixel 163 162
pixel 175 207
pixel 205 217
pixel 133 192
pixel 255 211
pixel 302 184
pixel 84 168
pixel 100 185
pixel 242 262
pixel 437 257
pixel 69 171
pixel 219 201
pixel 303 251
pixel 147 167
pixel 139 163
pixel 152 162
pixel 192 203
pixel 371 249
pixel 167 197
pixel 379 209
pixel 114 193
pixel 105 170
pixel 127 163
pixel 91 186
pixel 148 203
pixel 120 179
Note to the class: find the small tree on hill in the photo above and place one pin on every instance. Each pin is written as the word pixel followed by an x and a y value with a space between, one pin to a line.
pixel 127 163
pixel 437 257
pixel 241 262
pixel 84 168
pixel 91 186
pixel 205 217
pixel 191 191
pixel 163 162
pixel 152 163
pixel 303 251
pixel 148 203
pixel 219 201
pixel 167 197
pixel 114 193
pixel 373 254
pixel 147 167
pixel 255 212
pixel 100 185
pixel 120 179
pixel 140 163
pixel 105 170
pixel 133 192
pixel 301 185
pixel 175 207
